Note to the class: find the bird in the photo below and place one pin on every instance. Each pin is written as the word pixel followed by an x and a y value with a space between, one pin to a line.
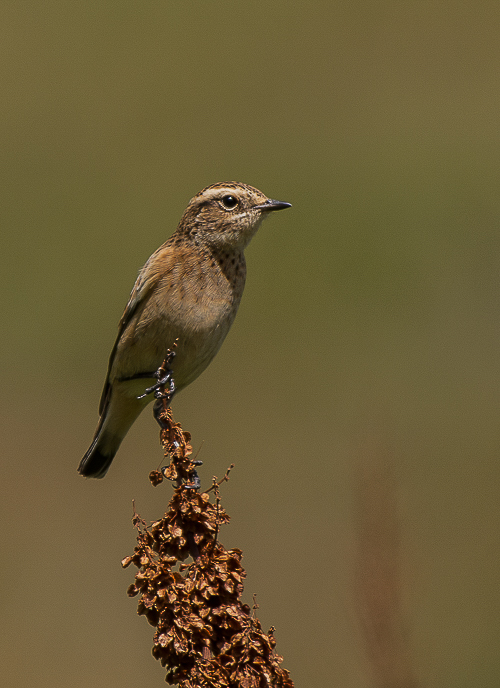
pixel 188 292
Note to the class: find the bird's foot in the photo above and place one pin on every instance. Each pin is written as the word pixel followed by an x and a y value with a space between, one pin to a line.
pixel 158 389
pixel 164 376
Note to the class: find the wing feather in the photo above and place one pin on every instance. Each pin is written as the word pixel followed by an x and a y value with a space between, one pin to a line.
pixel 147 280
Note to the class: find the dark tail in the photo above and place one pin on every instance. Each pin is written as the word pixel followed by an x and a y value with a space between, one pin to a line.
pixel 95 463
pixel 101 452
pixel 120 410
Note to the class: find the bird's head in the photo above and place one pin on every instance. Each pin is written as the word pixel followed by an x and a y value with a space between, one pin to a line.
pixel 227 214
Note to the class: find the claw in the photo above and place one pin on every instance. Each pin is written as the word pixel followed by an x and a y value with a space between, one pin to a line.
pixel 164 375
pixel 157 387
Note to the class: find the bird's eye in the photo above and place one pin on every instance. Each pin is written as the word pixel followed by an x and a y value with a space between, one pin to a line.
pixel 229 202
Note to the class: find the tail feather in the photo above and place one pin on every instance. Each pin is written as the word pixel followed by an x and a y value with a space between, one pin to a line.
pixel 120 410
pixel 100 454
pixel 95 463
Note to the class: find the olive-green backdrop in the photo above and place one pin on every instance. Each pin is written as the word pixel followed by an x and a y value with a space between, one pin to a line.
pixel 369 331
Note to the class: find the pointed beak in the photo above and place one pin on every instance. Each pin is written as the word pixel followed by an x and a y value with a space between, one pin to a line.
pixel 271 204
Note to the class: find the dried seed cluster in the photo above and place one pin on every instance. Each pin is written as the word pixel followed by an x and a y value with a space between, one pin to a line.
pixel 205 636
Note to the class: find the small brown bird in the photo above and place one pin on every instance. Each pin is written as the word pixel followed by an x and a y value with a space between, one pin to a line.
pixel 188 290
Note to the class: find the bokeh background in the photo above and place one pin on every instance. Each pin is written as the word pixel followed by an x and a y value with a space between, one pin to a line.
pixel 368 335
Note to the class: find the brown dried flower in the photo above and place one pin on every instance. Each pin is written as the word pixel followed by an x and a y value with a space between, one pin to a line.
pixel 205 636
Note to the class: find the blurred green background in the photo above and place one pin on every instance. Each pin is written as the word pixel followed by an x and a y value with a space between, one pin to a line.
pixel 371 310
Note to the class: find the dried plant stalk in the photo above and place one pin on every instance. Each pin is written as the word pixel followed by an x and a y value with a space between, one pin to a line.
pixel 205 636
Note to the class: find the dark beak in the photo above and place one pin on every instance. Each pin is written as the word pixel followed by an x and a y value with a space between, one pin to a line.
pixel 270 204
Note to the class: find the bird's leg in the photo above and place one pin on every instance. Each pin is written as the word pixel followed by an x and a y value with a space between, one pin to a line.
pixel 163 375
pixel 159 387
